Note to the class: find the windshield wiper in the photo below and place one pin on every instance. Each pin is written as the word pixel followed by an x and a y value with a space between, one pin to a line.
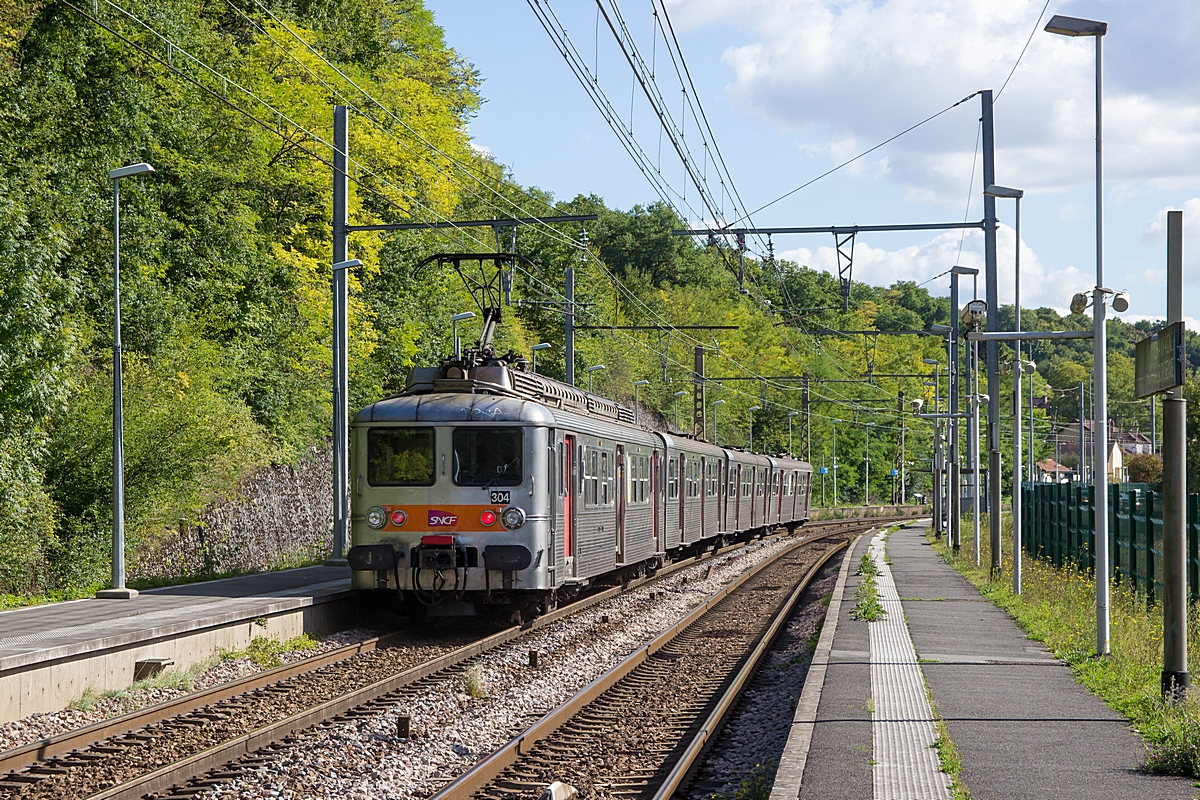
pixel 500 473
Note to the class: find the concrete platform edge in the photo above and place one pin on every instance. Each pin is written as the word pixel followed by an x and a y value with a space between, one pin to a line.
pixel 790 772
pixel 94 646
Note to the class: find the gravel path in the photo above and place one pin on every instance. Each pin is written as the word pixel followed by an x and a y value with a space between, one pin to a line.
pixel 36 727
pixel 363 759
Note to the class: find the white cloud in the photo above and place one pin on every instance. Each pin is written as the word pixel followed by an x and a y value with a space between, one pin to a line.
pixel 482 149
pixel 1040 285
pixel 855 72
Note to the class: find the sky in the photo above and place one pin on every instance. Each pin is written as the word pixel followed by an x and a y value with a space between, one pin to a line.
pixel 792 88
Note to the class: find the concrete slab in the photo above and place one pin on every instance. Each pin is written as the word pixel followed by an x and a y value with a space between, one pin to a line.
pixel 1024 728
pixel 50 654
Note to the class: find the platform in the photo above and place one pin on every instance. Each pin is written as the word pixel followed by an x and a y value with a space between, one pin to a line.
pixel 50 654
pixel 1023 727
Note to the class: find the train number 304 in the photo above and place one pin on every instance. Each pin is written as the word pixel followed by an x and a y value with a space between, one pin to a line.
pixel 498 498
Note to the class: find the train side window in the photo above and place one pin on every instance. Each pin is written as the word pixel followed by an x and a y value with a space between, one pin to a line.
pixel 672 479
pixel 605 478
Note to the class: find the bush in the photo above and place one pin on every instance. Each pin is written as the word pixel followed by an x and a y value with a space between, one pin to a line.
pixel 1145 468
pixel 26 523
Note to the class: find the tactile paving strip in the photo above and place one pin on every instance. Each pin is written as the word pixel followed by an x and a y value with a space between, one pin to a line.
pixel 902 728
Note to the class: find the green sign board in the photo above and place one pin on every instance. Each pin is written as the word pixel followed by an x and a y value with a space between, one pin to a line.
pixel 1159 361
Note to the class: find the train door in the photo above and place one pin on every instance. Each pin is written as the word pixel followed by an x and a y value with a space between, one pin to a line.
pixel 779 502
pixel 682 494
pixel 722 478
pixel 703 496
pixel 654 504
pixel 622 497
pixel 570 480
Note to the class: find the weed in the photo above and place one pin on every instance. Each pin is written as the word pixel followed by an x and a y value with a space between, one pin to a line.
pixel 755 786
pixel 866 606
pixel 266 652
pixel 473 683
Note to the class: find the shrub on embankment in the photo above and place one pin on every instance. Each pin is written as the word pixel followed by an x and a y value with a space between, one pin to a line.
pixel 1057 607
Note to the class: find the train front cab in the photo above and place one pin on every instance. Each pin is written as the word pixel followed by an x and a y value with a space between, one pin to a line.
pixel 451 500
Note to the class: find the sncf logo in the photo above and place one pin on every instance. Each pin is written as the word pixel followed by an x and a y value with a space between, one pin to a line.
pixel 442 519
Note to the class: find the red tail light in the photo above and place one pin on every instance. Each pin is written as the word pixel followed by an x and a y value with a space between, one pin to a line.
pixel 488 518
pixel 399 518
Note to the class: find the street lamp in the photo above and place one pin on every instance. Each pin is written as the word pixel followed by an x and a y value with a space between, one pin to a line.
pixel 119 590
pixel 454 320
pixel 716 425
pixel 1073 26
pixel 836 422
pixel 752 410
pixel 937 444
pixel 679 395
pixel 637 387
pixel 590 371
pixel 790 415
pixel 534 351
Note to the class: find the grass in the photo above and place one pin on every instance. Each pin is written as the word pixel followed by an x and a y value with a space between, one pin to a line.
pixel 866 606
pixel 755 786
pixel 1057 608
pixel 266 652
pixel 474 684
pixel 179 679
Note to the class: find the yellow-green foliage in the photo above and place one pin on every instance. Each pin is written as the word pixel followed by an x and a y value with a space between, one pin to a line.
pixel 1057 607
pixel 266 652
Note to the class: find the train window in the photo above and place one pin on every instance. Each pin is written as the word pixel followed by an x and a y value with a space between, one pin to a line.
pixel 400 457
pixel 591 476
pixel 672 479
pixel 605 478
pixel 487 456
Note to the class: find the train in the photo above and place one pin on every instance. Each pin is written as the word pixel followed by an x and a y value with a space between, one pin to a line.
pixel 486 487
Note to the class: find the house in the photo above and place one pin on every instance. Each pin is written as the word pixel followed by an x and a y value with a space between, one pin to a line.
pixel 1050 471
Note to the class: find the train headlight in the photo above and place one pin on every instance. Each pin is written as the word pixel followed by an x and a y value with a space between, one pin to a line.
pixel 513 518
pixel 376 517
pixel 399 518
pixel 488 518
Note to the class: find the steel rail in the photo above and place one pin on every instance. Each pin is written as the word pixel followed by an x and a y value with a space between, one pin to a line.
pixel 208 760
pixel 491 768
pixel 63 743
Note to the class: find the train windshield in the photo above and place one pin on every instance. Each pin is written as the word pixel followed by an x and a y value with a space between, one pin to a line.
pixel 487 456
pixel 400 456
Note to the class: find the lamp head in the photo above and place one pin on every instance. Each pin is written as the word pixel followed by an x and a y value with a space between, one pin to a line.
pixel 542 346
pixel 1120 301
pixel 793 413
pixel 715 402
pixel 1004 191
pixel 131 170
pixel 641 383
pixel 1080 302
pixel 940 328
pixel 595 367
pixel 681 394
pixel 462 316
pixel 956 270
pixel 933 362
pixel 354 262
pixel 1074 26
pixel 756 408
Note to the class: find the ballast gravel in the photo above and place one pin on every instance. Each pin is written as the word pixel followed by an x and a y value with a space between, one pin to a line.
pixel 459 719
pixel 37 727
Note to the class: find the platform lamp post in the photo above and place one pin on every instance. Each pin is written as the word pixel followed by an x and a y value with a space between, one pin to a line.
pixel 534 351
pixel 752 410
pixel 454 320
pixel 836 422
pixel 867 468
pixel 637 405
pixel 716 420
pixel 790 415
pixel 1073 26
pixel 937 443
pixel 679 395
pixel 592 370
pixel 119 591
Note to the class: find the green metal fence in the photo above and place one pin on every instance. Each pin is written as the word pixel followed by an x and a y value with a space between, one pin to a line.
pixel 1057 525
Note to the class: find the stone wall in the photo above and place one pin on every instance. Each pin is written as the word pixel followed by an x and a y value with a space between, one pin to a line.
pixel 283 517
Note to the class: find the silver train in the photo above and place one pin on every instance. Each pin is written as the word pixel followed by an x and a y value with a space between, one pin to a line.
pixel 484 485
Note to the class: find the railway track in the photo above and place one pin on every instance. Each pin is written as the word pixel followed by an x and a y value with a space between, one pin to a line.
pixel 187 745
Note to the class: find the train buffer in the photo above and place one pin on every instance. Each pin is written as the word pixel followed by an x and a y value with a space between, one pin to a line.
pixel 1023 728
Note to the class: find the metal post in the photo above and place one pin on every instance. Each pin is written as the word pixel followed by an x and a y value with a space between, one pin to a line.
pixel 752 410
pixel 1153 424
pixel 118 453
pixel 807 422
pixel 1018 432
pixel 1082 409
pixel 1100 372
pixel 569 320
pixel 698 405
pixel 822 481
pixel 903 470
pixel 341 516
pixel 952 347
pixel 791 453
pixel 867 468
pixel 974 449
pixel 1175 678
pixel 1032 457
pixel 993 324
pixel 835 500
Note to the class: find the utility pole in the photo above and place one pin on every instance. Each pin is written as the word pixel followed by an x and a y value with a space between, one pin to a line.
pixel 341 372
pixel 900 420
pixel 1081 432
pixel 991 283
pixel 955 467
pixel 569 321
pixel 835 502
pixel 806 406
pixel 1175 678
pixel 698 406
